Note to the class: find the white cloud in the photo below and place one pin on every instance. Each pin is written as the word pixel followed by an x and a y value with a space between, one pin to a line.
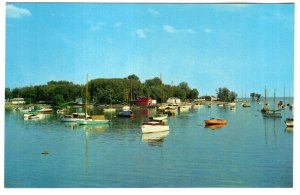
pixel 171 29
pixel 140 33
pixel 16 12
pixel 153 12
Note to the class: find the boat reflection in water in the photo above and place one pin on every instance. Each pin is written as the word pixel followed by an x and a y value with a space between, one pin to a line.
pixel 215 126
pixel 154 137
pixel 96 127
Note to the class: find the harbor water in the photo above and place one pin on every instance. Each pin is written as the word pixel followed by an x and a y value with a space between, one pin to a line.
pixel 250 151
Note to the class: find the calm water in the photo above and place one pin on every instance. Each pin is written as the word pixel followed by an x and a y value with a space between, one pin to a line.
pixel 249 152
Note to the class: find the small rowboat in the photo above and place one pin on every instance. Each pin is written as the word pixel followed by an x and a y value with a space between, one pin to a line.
pixel 214 121
pixel 154 126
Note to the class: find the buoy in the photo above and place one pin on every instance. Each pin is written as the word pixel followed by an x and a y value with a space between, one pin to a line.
pixel 45 152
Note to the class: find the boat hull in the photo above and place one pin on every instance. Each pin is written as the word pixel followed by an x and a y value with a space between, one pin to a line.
pixel 154 128
pixel 215 122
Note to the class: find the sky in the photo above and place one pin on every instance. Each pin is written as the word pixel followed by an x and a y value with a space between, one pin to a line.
pixel 243 47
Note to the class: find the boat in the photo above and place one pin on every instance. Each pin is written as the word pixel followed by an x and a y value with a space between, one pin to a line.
pixel 230 104
pixel 126 113
pixel 289 122
pixel 265 108
pixel 220 105
pixel 153 126
pixel 46 111
pixel 73 117
pixel 62 111
pixel 170 110
pixel 109 109
pixel 244 105
pixel 98 119
pixel 159 117
pixel 214 121
pixel 272 113
pixel 184 108
pixel 31 116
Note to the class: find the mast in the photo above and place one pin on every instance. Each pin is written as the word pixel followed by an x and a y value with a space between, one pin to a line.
pixel 265 95
pixel 86 96
pixel 284 96
pixel 274 97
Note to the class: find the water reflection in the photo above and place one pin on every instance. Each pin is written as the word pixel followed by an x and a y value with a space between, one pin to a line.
pixel 214 127
pixel 274 121
pixel 154 137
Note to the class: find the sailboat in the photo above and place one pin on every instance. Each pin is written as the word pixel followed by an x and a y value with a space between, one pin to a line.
pixel 245 105
pixel 127 112
pixel 265 108
pixel 272 113
pixel 89 120
pixel 110 109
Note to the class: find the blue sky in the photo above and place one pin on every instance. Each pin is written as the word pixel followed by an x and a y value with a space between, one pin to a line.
pixel 243 47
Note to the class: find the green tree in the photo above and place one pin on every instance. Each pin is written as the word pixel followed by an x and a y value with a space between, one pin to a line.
pixel 225 95
pixel 8 93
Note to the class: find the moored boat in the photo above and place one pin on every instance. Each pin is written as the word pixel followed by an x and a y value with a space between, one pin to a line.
pixel 289 122
pixel 155 126
pixel 214 121
pixel 272 113
pixel 126 113
pixel 109 109
pixel 159 117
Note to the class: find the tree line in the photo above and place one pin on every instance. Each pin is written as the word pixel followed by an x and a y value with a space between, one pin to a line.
pixel 102 91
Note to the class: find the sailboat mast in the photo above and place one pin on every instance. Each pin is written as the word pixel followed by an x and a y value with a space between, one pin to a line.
pixel 284 96
pixel 265 95
pixel 86 96
pixel 274 98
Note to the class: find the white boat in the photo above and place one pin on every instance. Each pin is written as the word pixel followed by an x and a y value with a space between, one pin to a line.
pixel 197 106
pixel 32 116
pixel 93 119
pixel 230 104
pixel 109 109
pixel 184 108
pixel 159 117
pixel 154 126
pixel 289 122
pixel 62 111
pixel 126 108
